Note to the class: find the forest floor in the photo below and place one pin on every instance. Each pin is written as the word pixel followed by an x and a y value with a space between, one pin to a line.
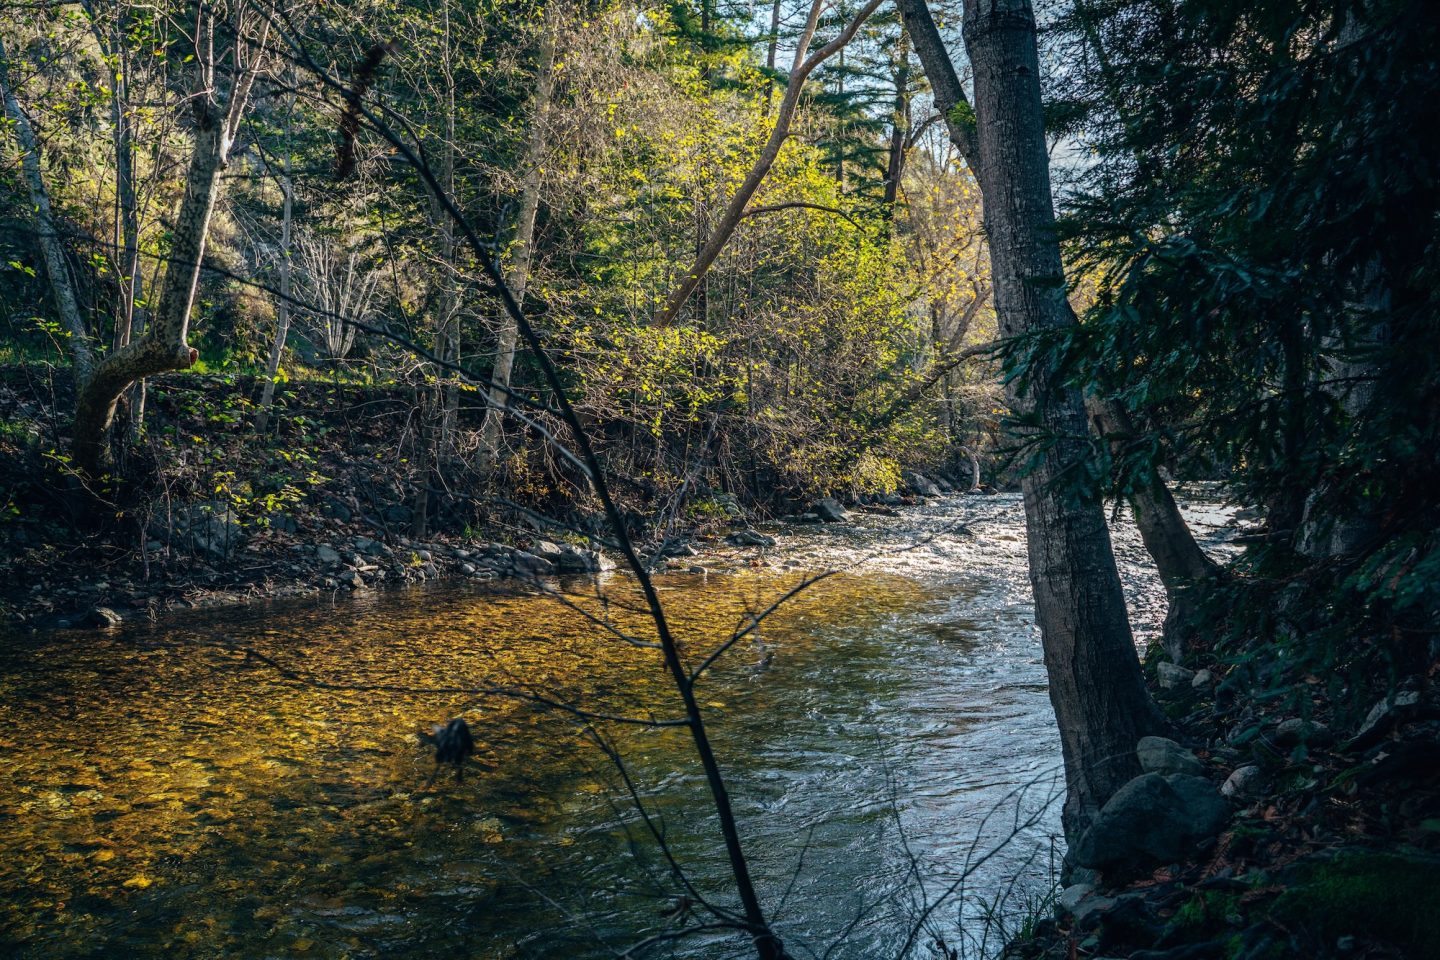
pixel 218 516
pixel 1329 836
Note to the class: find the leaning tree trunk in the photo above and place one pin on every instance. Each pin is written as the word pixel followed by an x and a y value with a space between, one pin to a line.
pixel 165 346
pixel 1095 683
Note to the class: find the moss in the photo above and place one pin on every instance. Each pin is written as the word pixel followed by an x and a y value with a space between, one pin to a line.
pixel 1386 897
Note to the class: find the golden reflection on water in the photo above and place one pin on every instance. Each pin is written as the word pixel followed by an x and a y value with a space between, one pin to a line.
pixel 164 794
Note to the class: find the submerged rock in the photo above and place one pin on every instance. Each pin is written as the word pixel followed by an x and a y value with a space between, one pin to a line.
pixel 1151 821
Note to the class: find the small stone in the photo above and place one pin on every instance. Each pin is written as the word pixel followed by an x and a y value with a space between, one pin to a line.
pixel 1246 783
pixel 1173 676
pixel 425 555
pixel 468 569
pixel 1162 756
pixel 327 555
pixel 1203 679
pixel 101 618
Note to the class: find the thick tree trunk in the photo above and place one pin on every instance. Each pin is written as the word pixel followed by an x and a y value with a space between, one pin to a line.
pixel 1095 683
pixel 517 276
pixel 81 349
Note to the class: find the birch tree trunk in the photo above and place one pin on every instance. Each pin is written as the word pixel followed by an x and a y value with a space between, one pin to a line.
pixel 1095 683
pixel 81 349
pixel 517 274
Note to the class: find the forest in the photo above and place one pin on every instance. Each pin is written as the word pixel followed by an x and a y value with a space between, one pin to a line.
pixel 924 479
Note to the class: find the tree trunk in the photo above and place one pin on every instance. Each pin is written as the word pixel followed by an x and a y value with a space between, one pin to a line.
pixel 735 210
pixel 517 276
pixel 1095 683
pixel 164 346
pixel 81 349
pixel 282 308
pixel 899 124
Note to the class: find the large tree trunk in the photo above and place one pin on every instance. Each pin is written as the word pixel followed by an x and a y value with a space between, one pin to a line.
pixel 1095 683
pixel 81 349
pixel 517 276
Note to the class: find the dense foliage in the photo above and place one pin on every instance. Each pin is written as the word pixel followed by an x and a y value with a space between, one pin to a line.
pixel 1257 231
pixel 819 354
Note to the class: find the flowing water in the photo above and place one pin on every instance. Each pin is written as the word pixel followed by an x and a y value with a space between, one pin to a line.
pixel 168 793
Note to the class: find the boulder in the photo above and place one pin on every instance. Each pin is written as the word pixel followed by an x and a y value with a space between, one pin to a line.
pixel 368 547
pixel 1151 821
pixel 1162 756
pixel 100 618
pixel 578 560
pixel 529 565
pixel 1202 680
pixel 749 538
pixel 1172 676
pixel 283 523
pixel 919 484
pixel 351 579
pixel 1245 783
pixel 1386 714
pixel 209 529
pixel 337 510
pixel 829 510
pixel 729 505
pixel 944 485
pixel 1290 733
pixel 327 555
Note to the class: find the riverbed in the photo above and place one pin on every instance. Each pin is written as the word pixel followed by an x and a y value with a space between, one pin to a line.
pixel 250 783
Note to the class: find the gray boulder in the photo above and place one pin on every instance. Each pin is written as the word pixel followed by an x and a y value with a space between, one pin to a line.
pixel 828 509
pixel 1289 733
pixel 1245 783
pixel 1151 821
pixel 327 555
pixel 749 538
pixel 209 529
pixel 1162 756
pixel 919 484
pixel 529 565
pixel 1172 676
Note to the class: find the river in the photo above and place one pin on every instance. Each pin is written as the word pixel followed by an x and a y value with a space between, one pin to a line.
pixel 168 794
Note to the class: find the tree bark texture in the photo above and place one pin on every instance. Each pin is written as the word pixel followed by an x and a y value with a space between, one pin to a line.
pixel 1096 687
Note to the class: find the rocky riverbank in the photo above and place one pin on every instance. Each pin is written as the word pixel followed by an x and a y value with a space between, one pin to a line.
pixel 1259 833
pixel 203 554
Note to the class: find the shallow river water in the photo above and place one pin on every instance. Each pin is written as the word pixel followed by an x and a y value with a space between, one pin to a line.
pixel 165 793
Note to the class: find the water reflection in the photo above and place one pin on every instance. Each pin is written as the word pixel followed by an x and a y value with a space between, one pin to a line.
pixel 167 794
